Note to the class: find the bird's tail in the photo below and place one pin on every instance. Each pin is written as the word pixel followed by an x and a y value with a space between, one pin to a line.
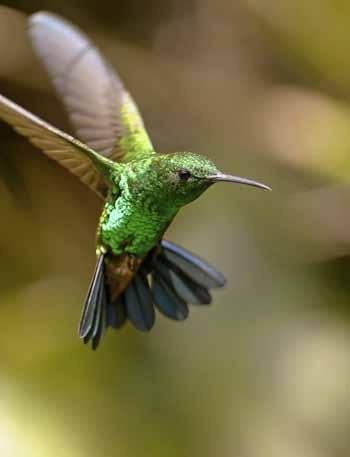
pixel 170 280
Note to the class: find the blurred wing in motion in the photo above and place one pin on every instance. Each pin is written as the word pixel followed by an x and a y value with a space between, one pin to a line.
pixel 101 110
pixel 80 160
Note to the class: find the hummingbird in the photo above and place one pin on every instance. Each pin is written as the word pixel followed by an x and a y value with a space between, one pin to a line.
pixel 137 270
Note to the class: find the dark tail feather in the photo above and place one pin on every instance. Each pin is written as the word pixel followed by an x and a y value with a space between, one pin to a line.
pixel 194 267
pixel 139 303
pixel 178 278
pixel 186 288
pixel 92 301
pixel 101 322
pixel 116 313
pixel 165 297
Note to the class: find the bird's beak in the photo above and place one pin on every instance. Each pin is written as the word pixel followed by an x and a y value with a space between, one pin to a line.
pixel 236 179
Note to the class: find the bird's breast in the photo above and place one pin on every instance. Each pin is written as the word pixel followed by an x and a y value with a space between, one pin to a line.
pixel 130 228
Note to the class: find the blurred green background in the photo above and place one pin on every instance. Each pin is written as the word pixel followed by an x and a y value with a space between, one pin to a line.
pixel 263 88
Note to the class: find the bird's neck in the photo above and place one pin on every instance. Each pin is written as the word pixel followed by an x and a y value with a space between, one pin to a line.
pixel 143 188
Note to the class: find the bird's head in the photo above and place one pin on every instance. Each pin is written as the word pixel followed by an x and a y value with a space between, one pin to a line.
pixel 186 176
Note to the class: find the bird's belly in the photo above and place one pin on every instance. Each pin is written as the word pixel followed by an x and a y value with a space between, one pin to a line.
pixel 133 232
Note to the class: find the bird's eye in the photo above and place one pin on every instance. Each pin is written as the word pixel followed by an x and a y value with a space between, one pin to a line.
pixel 184 175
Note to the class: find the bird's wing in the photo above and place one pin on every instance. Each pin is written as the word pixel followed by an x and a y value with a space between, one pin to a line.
pixel 102 112
pixel 79 159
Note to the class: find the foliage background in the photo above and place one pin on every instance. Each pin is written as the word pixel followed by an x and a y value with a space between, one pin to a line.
pixel 263 88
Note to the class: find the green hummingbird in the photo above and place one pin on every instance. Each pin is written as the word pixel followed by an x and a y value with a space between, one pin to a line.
pixel 136 270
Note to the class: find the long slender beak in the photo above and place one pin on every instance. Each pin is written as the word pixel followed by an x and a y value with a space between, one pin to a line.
pixel 236 179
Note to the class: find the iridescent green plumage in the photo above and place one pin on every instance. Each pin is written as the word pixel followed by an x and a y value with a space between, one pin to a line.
pixel 143 191
pixel 150 194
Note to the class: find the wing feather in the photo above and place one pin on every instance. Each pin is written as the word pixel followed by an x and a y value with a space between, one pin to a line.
pixel 102 112
pixel 73 155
